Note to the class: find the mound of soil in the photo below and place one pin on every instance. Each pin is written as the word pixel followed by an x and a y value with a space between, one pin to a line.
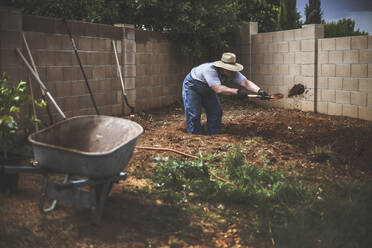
pixel 297 89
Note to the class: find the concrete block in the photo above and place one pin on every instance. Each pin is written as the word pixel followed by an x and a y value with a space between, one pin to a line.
pixel 10 39
pixel 322 83
pixel 10 19
pixel 350 110
pixel 130 70
pixel 334 108
pixel 99 72
pixel 278 58
pixel 369 42
pixel 257 38
pixel 328 95
pixel 268 58
pixel 359 42
pixel 78 88
pixel 278 36
pixel 289 58
pixel 369 100
pixel 328 44
pixel 308 31
pixel 63 58
pixel 358 98
pixel 359 70
pixel 366 56
pixel 67 73
pixel 351 56
pixel 335 83
pixel 54 74
pixel 86 43
pixel 335 57
pixel 342 96
pixel 308 45
pixel 294 46
pixel 289 35
pixel 328 70
pixel 350 84
pixel 63 89
pixel 267 37
pixel 322 107
pixel 365 113
pixel 343 70
pixel 319 31
pixel 343 43
pixel 295 69
pixel 53 42
pixel 283 69
pixel 298 34
pixel 370 70
pixel 283 47
pixel 365 84
pixel 323 57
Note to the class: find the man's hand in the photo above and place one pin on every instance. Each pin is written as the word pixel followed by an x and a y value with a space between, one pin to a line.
pixel 263 94
pixel 242 93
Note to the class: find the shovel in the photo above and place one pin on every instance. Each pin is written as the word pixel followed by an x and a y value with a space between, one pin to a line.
pixel 276 96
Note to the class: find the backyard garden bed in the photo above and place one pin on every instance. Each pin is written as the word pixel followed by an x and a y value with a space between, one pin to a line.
pixel 330 155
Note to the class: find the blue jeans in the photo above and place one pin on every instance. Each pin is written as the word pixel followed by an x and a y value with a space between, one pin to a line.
pixel 196 95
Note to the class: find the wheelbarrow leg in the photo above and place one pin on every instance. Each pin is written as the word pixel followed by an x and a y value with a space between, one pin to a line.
pixel 44 194
pixel 99 194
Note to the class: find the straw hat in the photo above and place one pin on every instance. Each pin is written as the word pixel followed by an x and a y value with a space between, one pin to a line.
pixel 228 62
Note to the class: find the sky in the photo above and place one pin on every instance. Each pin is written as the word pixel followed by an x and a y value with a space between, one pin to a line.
pixel 358 10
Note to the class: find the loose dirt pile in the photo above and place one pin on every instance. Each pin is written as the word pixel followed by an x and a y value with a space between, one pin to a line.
pixel 297 89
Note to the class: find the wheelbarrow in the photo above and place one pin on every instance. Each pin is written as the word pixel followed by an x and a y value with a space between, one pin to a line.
pixel 92 149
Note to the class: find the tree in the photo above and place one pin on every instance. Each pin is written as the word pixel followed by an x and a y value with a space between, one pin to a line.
pixel 288 17
pixel 264 12
pixel 313 12
pixel 341 28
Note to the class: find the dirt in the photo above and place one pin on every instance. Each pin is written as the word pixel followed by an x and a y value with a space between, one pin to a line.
pixel 296 90
pixel 287 138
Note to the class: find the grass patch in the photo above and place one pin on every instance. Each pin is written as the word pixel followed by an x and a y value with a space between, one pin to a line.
pixel 269 206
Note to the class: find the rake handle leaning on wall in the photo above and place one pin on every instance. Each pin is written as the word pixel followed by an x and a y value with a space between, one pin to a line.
pixel 41 84
pixel 121 79
pixel 81 66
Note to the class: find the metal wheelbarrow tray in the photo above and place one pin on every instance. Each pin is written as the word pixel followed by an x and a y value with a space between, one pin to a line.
pixel 88 146
pixel 94 147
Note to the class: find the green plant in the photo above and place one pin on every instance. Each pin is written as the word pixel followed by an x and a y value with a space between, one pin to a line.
pixel 11 101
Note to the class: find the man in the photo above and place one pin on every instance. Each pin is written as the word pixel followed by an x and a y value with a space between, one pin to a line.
pixel 202 86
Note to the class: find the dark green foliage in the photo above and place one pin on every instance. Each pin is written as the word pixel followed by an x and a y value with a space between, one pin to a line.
pixel 313 12
pixel 264 12
pixel 341 28
pixel 288 17
pixel 291 212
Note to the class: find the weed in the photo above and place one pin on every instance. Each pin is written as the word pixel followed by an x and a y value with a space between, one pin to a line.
pixel 268 206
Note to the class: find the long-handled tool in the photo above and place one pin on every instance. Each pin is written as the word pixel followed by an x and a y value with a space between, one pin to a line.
pixel 276 96
pixel 121 79
pixel 81 66
pixel 43 95
pixel 47 93
pixel 41 84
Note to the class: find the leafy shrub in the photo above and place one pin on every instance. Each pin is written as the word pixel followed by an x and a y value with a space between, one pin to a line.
pixel 11 101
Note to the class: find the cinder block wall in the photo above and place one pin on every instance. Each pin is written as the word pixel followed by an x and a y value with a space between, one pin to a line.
pixel 336 72
pixel 160 70
pixel 59 69
pixel 345 76
pixel 285 58
pixel 153 72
